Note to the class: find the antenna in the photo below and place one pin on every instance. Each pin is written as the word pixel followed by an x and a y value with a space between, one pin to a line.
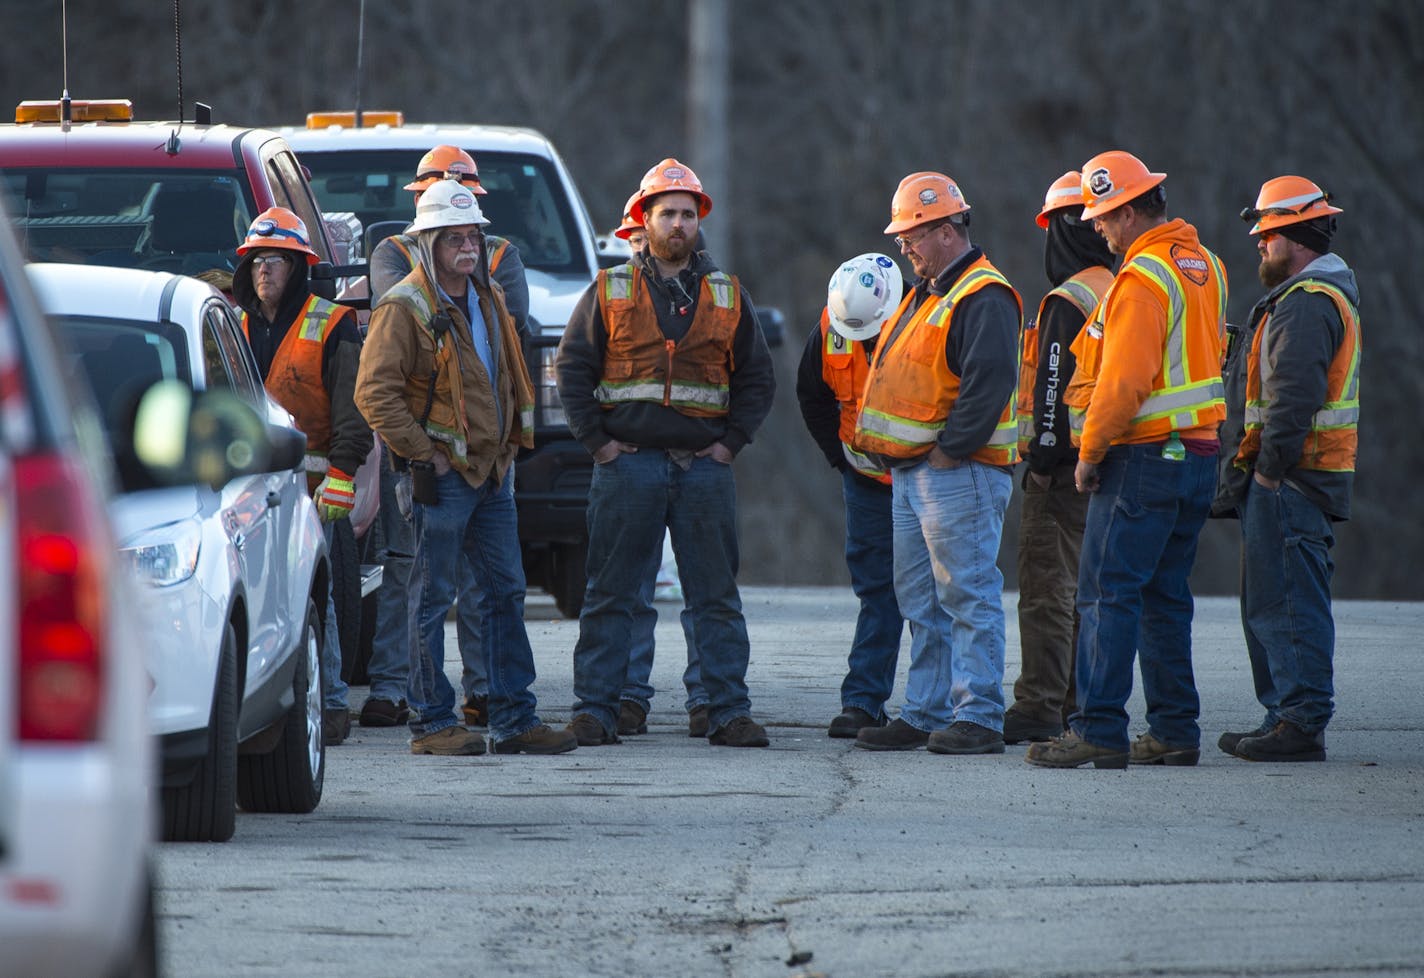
pixel 65 109
pixel 174 143
pixel 360 49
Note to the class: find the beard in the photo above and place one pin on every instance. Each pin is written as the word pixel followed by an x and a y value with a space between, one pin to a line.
pixel 670 249
pixel 1273 272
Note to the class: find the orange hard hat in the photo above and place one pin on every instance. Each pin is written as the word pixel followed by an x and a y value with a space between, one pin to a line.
pixel 1066 191
pixel 666 177
pixel 626 229
pixel 442 161
pixel 279 228
pixel 923 197
pixel 1287 200
pixel 1112 179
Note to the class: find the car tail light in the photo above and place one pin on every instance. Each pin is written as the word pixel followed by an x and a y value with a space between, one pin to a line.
pixel 63 563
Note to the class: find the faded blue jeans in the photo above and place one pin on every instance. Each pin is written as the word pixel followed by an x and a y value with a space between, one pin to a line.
pixel 631 500
pixel 870 559
pixel 1139 544
pixel 1285 605
pixel 478 523
pixel 638 687
pixel 948 524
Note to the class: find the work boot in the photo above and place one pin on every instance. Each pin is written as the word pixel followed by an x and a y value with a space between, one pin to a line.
pixel 899 735
pixel 965 737
pixel 740 731
pixel 1285 742
pixel 384 713
pixel 632 718
pixel 476 710
pixel 1070 750
pixel 449 741
pixel 588 732
pixel 853 720
pixel 1018 728
pixel 335 726
pixel 542 739
pixel 1230 740
pixel 697 722
pixel 1147 749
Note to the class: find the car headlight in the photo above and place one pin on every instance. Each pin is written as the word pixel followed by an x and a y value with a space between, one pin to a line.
pixel 167 555
pixel 551 406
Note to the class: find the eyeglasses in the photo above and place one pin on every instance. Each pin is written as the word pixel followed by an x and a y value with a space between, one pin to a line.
pixel 1266 237
pixel 903 241
pixel 271 261
pixel 453 239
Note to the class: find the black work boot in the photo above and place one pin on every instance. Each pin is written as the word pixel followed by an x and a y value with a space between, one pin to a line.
pixel 1285 742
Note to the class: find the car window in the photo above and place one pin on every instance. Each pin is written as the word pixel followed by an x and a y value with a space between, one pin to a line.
pixel 288 187
pixel 179 221
pixel 121 358
pixel 525 202
pixel 229 361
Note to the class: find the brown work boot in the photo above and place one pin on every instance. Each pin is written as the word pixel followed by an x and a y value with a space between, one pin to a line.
pixel 449 741
pixel 335 726
pixel 632 718
pixel 588 731
pixel 384 713
pixel 542 739
pixel 1070 750
pixel 697 722
pixel 899 735
pixel 965 737
pixel 740 731
pixel 851 721
pixel 1147 749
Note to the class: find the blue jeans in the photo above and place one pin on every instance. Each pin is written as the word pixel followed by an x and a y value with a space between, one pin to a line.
pixel 631 500
pixel 1139 544
pixel 396 607
pixel 947 525
pixel 1285 605
pixel 479 523
pixel 637 687
pixel 333 688
pixel 870 558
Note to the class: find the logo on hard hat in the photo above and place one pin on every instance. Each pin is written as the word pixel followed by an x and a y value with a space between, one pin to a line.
pixel 462 201
pixel 883 262
pixel 867 280
pixel 928 197
pixel 265 227
pixel 674 173
pixel 1100 182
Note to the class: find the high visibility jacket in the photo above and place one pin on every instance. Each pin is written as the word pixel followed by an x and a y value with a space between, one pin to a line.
pixel 844 367
pixel 692 375
pixel 1331 444
pixel 1084 290
pixel 294 378
pixel 911 389
pixel 1187 392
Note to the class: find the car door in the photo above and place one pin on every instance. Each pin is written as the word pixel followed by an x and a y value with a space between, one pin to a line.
pixel 252 507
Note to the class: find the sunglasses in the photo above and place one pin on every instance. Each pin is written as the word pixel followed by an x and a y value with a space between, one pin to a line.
pixel 271 261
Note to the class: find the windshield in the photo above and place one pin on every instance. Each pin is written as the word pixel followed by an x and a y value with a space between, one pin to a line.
pixel 186 222
pixel 123 358
pixel 526 202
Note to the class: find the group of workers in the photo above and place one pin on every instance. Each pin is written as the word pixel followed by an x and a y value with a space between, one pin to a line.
pixel 1137 410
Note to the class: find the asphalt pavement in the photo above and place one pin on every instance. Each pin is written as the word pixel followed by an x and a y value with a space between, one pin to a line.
pixel 663 856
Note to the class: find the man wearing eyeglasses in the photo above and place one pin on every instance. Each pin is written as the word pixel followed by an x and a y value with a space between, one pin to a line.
pixel 938 413
pixel 1288 463
pixel 443 382
pixel 307 350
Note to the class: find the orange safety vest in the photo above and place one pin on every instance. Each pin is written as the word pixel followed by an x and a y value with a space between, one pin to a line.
pixel 692 375
pixel 294 378
pixel 1084 290
pixel 909 394
pixel 844 367
pixel 1188 391
pixel 1331 444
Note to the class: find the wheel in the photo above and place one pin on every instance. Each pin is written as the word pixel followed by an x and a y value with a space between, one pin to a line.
pixel 205 809
pixel 568 577
pixel 289 778
pixel 346 591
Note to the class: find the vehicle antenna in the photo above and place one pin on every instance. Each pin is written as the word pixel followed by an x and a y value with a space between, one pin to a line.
pixel 64 104
pixel 174 143
pixel 360 47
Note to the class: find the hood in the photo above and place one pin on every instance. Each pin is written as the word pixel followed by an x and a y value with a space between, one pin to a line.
pixel 552 298
pixel 245 294
pixel 1329 268
pixel 132 513
pixel 1069 248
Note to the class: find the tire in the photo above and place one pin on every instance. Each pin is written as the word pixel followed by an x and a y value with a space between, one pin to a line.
pixel 346 591
pixel 568 577
pixel 205 809
pixel 289 778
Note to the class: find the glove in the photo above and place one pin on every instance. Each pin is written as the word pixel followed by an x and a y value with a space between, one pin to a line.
pixel 335 495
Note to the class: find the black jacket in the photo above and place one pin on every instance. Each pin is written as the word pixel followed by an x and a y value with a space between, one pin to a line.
pixel 819 407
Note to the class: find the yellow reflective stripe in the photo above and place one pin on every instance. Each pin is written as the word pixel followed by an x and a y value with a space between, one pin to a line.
pixel 861 463
pixel 1005 433
pixel 720 285
pixel 945 306
pixel 319 311
pixel 1077 293
pixel 680 393
pixel 610 392
pixel 1183 403
pixel 618 283
pixel 901 431
pixel 1344 413
pixel 1180 399
pixel 1076 419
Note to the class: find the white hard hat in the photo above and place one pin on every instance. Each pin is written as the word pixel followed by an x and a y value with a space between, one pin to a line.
pixel 447 204
pixel 862 294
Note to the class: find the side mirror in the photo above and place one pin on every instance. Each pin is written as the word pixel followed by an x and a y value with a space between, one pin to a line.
pixel 773 325
pixel 182 437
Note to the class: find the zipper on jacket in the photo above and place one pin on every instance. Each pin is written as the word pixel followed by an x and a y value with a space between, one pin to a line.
pixel 671 348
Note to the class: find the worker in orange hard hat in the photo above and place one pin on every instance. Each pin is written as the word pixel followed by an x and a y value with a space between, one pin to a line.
pixel 1148 362
pixel 665 375
pixel 1079 267
pixel 1288 463
pixel 937 412
pixel 308 350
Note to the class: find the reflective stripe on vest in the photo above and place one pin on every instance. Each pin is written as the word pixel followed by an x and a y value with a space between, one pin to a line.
pixel 294 376
pixel 1182 400
pixel 844 367
pixel 1084 291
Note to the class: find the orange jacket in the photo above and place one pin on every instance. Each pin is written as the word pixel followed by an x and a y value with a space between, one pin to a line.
pixel 1084 290
pixel 844 367
pixel 692 375
pixel 1149 362
pixel 911 390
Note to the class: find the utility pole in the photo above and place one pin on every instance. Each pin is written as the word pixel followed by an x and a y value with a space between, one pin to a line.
pixel 709 62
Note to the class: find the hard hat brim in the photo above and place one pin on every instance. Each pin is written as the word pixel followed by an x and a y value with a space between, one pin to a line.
pixel 1106 204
